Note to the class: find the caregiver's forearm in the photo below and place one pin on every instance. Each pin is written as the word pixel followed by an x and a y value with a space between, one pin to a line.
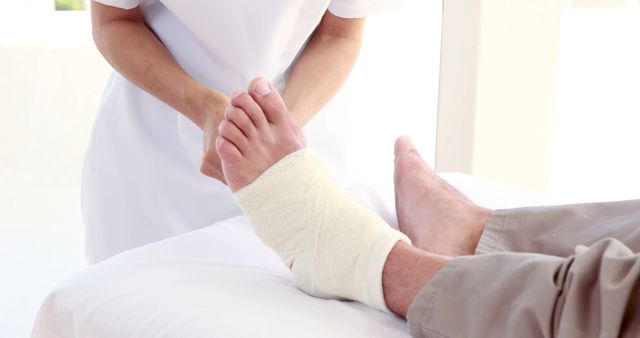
pixel 135 52
pixel 323 66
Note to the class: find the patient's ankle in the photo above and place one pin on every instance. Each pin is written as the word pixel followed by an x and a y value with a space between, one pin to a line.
pixel 406 272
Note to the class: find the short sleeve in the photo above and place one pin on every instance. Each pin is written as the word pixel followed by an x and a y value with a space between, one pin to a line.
pixel 124 4
pixel 360 8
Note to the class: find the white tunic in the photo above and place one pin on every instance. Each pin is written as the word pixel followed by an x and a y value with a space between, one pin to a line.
pixel 141 180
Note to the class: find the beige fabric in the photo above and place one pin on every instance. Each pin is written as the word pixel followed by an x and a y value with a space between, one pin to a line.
pixel 564 271
pixel 557 230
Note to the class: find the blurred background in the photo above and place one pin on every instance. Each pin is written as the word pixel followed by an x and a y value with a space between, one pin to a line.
pixel 51 79
pixel 538 94
pixel 542 95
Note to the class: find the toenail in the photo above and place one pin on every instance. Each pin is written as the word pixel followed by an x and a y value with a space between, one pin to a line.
pixel 236 94
pixel 228 110
pixel 262 87
pixel 220 126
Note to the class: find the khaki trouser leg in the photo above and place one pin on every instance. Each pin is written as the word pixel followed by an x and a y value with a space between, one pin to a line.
pixel 559 292
pixel 594 293
pixel 557 230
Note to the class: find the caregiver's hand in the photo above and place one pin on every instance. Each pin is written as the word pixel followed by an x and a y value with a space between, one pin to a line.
pixel 207 110
pixel 125 40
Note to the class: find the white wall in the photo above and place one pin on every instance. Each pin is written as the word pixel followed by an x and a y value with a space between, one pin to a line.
pixel 597 120
pixel 498 89
pixel 543 95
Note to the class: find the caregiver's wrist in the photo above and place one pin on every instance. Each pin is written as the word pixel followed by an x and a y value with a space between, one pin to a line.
pixel 204 104
pixel 295 107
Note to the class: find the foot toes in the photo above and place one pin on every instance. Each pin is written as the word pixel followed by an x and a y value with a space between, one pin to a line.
pixel 241 119
pixel 405 144
pixel 227 151
pixel 270 100
pixel 244 101
pixel 231 133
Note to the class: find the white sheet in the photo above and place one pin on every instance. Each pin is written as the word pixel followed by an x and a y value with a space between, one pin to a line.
pixel 221 282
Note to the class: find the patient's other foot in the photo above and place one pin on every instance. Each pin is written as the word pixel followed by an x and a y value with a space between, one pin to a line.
pixel 436 216
pixel 257 132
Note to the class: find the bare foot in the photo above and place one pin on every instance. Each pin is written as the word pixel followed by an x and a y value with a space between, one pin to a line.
pixel 257 132
pixel 436 216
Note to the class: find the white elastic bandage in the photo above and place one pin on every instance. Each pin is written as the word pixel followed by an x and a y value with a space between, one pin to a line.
pixel 334 247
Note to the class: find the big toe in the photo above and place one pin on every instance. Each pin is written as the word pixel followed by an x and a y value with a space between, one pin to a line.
pixel 404 144
pixel 408 162
pixel 269 100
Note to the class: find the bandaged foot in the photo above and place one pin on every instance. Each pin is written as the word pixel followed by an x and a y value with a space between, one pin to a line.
pixel 334 247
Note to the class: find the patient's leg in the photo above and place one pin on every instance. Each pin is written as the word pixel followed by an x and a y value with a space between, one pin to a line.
pixel 334 247
pixel 440 219
pixel 406 272
pixel 557 230
pixel 593 293
pixel 436 216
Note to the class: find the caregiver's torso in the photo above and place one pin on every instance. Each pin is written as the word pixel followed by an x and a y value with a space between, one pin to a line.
pixel 141 179
pixel 226 43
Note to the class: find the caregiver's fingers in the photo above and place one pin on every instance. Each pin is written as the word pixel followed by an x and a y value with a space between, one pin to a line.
pixel 211 165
